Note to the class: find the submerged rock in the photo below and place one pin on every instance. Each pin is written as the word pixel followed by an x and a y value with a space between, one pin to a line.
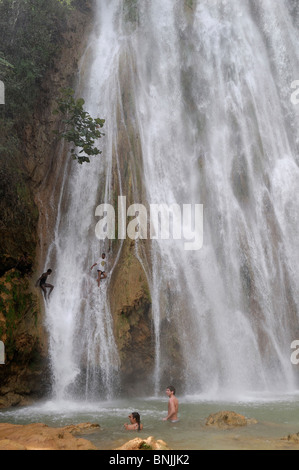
pixel 228 419
pixel 39 436
pixel 82 428
pixel 144 444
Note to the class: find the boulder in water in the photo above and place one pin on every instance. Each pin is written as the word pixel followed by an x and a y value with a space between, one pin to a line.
pixel 144 444
pixel 294 438
pixel 228 419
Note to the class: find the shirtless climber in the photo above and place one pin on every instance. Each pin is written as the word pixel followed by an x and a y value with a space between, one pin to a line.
pixel 43 284
pixel 101 268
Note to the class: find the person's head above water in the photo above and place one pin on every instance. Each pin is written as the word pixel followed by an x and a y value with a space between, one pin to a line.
pixel 170 389
pixel 49 271
pixel 135 419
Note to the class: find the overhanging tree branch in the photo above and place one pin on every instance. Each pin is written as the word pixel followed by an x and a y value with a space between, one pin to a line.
pixel 79 128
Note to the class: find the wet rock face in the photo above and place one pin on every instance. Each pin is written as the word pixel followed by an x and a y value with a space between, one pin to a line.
pixel 26 374
pixel 131 310
pixel 228 419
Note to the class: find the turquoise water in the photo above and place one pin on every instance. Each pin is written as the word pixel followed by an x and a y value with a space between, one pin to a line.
pixel 276 416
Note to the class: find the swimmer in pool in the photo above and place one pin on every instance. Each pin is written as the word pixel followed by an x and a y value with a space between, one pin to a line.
pixel 135 422
pixel 173 405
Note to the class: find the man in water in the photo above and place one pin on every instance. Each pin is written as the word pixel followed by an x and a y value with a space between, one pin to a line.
pixel 101 267
pixel 173 405
pixel 43 284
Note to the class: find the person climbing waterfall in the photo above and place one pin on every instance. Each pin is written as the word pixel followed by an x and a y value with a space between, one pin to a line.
pixel 41 282
pixel 101 263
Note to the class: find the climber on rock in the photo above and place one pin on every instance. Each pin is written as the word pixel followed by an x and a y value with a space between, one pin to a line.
pixel 101 268
pixel 41 282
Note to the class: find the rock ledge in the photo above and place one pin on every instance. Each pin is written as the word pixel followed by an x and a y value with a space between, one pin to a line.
pixel 39 436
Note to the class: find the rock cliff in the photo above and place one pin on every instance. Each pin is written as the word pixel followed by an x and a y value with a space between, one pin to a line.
pixel 29 217
pixel 26 376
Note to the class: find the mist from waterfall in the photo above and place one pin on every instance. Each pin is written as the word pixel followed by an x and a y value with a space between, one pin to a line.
pixel 210 87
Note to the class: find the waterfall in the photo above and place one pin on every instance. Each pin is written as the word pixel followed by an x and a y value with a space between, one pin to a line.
pixel 83 352
pixel 208 87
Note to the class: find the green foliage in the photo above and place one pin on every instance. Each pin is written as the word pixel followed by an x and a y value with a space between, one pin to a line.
pixel 145 446
pixel 3 62
pixel 30 35
pixel 79 128
pixel 18 214
pixel 15 302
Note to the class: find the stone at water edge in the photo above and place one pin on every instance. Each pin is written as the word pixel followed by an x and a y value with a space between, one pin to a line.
pixel 228 419
pixel 145 444
pixel 82 428
pixel 292 438
pixel 39 436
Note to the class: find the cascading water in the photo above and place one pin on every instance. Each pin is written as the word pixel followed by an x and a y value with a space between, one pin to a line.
pixel 218 128
pixel 83 352
pixel 210 85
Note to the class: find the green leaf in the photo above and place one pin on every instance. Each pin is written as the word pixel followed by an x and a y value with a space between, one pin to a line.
pixel 80 129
